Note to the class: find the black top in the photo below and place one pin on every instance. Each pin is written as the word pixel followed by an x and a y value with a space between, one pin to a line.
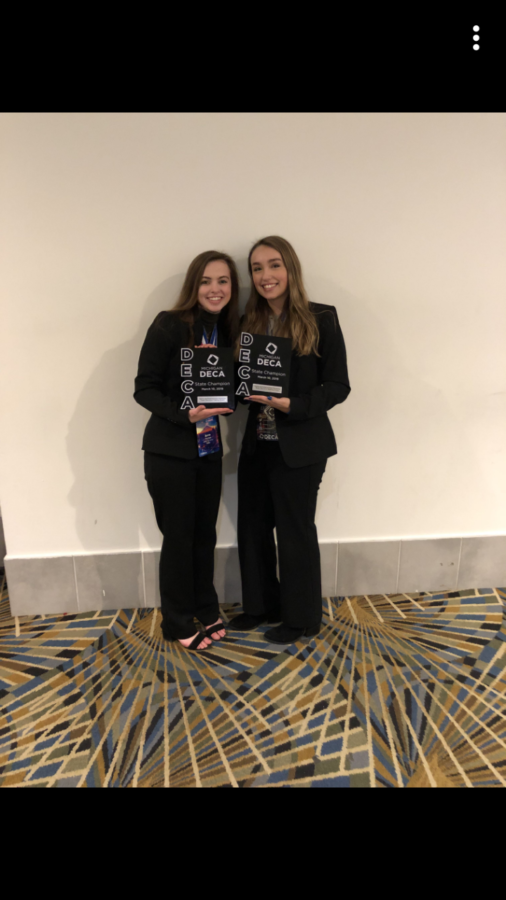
pixel 158 383
pixel 317 383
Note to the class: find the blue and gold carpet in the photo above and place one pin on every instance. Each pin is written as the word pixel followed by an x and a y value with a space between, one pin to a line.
pixel 396 691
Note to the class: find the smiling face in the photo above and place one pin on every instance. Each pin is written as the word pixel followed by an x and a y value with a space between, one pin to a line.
pixel 215 288
pixel 269 273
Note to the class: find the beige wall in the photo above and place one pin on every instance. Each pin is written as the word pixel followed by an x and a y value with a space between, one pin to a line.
pixel 399 220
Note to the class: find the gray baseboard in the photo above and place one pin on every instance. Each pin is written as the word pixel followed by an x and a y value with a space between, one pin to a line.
pixel 89 582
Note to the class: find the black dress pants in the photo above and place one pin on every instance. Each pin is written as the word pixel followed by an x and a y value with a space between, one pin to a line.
pixel 186 496
pixel 273 495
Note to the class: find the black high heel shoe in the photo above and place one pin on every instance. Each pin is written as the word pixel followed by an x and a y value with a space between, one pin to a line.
pixel 194 646
pixel 212 629
pixel 285 634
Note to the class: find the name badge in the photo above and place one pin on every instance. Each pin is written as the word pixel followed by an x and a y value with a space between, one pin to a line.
pixel 208 440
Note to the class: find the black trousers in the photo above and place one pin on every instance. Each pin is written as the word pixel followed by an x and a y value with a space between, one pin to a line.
pixel 273 495
pixel 186 496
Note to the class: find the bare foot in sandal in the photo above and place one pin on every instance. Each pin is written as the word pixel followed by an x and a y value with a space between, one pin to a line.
pixel 219 633
pixel 205 642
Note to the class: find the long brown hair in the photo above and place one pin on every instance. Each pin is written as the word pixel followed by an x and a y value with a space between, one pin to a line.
pixel 186 306
pixel 299 323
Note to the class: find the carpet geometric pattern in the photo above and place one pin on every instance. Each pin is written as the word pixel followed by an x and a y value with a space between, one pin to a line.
pixel 396 691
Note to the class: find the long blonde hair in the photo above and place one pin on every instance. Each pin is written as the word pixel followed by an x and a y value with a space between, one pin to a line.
pixel 299 323
pixel 186 306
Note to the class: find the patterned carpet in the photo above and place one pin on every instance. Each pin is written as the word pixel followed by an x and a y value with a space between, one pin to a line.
pixel 396 691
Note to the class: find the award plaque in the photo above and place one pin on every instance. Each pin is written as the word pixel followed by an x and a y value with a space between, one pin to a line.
pixel 207 377
pixel 264 365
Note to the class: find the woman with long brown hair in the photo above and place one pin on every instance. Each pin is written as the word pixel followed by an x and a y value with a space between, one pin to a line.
pixel 285 449
pixel 182 461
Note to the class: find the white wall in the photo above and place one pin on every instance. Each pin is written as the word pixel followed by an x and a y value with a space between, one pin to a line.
pixel 399 220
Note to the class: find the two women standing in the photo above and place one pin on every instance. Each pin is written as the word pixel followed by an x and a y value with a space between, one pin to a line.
pixel 283 458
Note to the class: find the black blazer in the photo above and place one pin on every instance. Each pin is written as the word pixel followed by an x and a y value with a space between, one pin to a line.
pixel 158 387
pixel 317 383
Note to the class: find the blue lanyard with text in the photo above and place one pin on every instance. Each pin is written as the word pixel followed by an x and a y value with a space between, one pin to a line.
pixel 207 429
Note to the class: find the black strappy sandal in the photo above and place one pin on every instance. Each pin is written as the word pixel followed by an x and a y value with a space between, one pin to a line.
pixel 212 628
pixel 195 643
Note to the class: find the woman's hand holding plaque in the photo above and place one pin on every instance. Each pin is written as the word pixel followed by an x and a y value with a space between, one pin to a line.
pixel 202 412
pixel 281 403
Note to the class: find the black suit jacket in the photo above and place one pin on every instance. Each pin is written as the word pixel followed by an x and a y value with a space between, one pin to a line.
pixel 317 383
pixel 158 387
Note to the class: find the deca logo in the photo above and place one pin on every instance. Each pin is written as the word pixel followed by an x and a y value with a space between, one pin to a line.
pixel 212 359
pixel 271 348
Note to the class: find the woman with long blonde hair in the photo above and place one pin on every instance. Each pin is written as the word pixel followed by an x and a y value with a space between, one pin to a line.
pixel 182 460
pixel 285 449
